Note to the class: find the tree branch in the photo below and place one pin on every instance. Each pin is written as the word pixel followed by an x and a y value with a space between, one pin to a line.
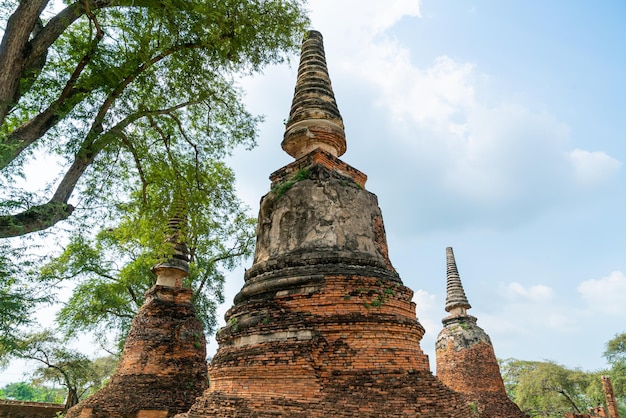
pixel 59 23
pixel 92 146
pixel 13 50
pixel 20 56
pixel 133 295
pixel 36 218
pixel 18 140
pixel 44 216
pixel 142 177
pixel 224 256
pixel 193 145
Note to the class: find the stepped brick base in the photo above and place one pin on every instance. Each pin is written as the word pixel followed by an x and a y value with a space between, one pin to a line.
pixel 323 326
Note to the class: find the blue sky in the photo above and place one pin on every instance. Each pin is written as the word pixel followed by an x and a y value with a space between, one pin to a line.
pixel 491 127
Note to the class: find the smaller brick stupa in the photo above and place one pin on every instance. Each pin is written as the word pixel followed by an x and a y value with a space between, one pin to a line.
pixel 466 361
pixel 163 365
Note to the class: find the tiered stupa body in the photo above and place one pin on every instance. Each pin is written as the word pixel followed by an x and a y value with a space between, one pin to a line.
pixel 323 326
pixel 163 368
pixel 466 361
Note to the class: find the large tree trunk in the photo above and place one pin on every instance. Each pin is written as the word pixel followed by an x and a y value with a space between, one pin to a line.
pixel 71 400
pixel 14 50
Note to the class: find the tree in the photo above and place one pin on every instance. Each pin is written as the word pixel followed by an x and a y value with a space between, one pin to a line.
pixel 23 391
pixel 18 300
pixel 615 351
pixel 615 354
pixel 105 84
pixel 63 366
pixel 137 102
pixel 547 389
pixel 112 272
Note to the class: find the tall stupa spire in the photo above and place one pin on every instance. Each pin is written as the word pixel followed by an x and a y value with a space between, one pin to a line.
pixel 175 268
pixel 314 120
pixel 456 301
pixel 323 326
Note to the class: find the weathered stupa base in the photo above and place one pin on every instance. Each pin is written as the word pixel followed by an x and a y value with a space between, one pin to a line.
pixel 163 367
pixel 473 371
pixel 323 330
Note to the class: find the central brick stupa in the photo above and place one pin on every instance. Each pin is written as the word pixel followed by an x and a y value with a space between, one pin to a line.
pixel 323 326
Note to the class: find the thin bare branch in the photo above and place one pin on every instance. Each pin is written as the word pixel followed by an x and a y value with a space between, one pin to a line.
pixel 142 176
pixel 181 129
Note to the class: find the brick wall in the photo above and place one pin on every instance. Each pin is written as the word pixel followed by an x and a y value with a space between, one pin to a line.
pixel 321 157
pixel 21 409
pixel 339 346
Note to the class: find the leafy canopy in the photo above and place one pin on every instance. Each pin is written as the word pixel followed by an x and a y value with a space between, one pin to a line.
pixel 62 366
pixel 121 89
pixel 547 389
pixel 135 105
pixel 19 299
pixel 615 351
pixel 23 391
pixel 615 354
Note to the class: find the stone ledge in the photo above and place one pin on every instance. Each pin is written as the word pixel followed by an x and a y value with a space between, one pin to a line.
pixel 318 157
pixel 320 263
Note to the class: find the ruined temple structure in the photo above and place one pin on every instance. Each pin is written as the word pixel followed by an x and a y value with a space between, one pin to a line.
pixel 609 395
pixel 466 361
pixel 323 326
pixel 163 365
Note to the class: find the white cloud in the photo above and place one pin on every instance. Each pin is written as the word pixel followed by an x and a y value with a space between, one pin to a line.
pixel 501 163
pixel 536 304
pixel 358 22
pixel 536 293
pixel 433 97
pixel 428 310
pixel 506 154
pixel 593 167
pixel 606 295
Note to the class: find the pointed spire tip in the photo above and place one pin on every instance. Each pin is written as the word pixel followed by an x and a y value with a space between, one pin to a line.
pixel 456 301
pixel 314 120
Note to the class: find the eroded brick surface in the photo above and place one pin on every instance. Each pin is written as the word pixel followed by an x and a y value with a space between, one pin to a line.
pixel 609 395
pixel 162 369
pixel 348 347
pixel 323 326
pixel 466 363
pixel 321 157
